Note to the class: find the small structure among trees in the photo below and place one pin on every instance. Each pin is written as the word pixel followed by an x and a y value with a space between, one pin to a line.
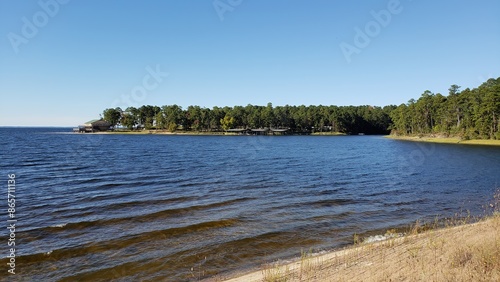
pixel 95 125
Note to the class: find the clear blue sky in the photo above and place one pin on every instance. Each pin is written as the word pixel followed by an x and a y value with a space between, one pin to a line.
pixel 63 64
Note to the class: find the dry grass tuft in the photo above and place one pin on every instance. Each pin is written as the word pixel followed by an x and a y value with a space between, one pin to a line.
pixel 276 273
pixel 467 249
pixel 461 257
pixel 460 253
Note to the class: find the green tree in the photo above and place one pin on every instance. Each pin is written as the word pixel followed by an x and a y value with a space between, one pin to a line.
pixel 112 116
pixel 216 114
pixel 129 120
pixel 205 119
pixel 173 115
pixel 194 117
pixel 161 121
pixel 401 120
pixel 227 122
pixel 455 105
pixel 172 126
pixel 267 115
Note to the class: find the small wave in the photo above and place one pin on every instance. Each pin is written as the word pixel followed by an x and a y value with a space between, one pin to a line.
pixel 128 241
pixel 327 192
pixel 106 222
pixel 335 202
pixel 139 203
pixel 378 238
pixel 406 203
pixel 329 217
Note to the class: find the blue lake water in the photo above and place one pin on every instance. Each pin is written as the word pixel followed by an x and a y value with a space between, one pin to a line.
pixel 177 208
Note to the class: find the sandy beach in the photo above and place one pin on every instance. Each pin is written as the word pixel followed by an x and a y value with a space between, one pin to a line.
pixel 468 252
pixel 446 140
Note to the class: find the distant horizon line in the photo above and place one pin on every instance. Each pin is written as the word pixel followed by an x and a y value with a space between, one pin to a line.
pixel 39 126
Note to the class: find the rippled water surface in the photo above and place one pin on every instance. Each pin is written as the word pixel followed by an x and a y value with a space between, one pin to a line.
pixel 149 207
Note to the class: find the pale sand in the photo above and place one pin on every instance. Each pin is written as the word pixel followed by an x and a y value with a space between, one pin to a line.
pixel 446 140
pixel 469 252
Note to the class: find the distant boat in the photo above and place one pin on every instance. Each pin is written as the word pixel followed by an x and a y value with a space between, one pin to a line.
pixel 361 134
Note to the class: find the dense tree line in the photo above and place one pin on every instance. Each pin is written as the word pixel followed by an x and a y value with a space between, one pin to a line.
pixel 299 119
pixel 470 114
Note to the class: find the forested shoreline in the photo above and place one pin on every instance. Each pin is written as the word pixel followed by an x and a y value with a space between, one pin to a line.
pixel 468 114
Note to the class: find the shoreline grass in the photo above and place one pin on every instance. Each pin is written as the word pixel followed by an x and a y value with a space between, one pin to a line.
pixel 463 252
pixel 445 140
pixel 460 248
